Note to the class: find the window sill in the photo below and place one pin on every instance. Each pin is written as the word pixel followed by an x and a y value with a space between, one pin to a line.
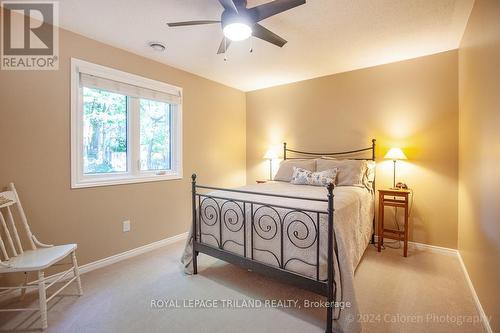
pixel 123 181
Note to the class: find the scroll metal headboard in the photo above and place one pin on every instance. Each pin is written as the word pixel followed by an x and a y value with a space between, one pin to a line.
pixel 351 154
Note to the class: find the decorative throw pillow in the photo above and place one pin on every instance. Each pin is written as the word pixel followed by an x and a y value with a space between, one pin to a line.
pixel 306 177
pixel 285 172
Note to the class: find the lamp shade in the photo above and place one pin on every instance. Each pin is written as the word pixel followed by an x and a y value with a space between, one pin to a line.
pixel 395 154
pixel 271 154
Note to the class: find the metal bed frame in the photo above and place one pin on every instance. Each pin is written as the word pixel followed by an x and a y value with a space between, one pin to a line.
pixel 266 223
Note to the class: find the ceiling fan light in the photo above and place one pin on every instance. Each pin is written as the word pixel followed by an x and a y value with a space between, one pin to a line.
pixel 237 31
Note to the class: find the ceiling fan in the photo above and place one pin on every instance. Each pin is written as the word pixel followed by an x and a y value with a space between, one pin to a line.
pixel 239 22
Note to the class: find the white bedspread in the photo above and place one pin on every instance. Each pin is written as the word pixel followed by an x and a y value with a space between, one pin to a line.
pixel 354 209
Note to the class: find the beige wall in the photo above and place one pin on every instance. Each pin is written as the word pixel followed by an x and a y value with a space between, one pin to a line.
pixel 35 154
pixel 412 104
pixel 479 176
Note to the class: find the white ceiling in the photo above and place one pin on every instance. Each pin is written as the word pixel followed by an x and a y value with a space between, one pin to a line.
pixel 324 36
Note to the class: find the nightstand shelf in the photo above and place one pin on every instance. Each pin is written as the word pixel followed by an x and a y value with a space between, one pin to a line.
pixel 398 199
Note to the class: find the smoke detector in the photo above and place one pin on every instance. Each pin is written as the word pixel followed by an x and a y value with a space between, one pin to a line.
pixel 157 46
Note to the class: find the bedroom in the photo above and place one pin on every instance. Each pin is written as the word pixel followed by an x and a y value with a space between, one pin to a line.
pixel 418 75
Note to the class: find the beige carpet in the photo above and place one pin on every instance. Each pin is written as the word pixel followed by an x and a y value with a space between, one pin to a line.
pixel 393 291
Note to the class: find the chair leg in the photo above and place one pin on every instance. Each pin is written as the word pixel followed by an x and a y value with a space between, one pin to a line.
pixel 25 283
pixel 76 273
pixel 42 298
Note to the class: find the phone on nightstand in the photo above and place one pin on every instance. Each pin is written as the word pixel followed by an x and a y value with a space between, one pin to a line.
pixel 401 186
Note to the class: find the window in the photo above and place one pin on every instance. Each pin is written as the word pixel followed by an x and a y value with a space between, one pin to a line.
pixel 104 132
pixel 124 128
pixel 155 135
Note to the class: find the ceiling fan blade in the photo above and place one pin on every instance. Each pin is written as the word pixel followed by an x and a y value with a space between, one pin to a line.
pixel 266 10
pixel 229 5
pixel 267 35
pixel 224 45
pixel 182 24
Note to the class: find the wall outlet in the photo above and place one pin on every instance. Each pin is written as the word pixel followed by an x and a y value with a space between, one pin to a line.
pixel 126 226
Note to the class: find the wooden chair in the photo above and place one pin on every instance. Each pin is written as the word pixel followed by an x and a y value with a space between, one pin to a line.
pixel 13 258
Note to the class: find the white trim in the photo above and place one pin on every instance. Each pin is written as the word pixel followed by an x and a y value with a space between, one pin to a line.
pixel 124 255
pixel 432 248
pixel 426 247
pixel 131 253
pixel 127 180
pixel 133 174
pixel 455 253
pixel 482 314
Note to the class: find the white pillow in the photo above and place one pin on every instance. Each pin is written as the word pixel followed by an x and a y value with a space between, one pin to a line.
pixel 285 172
pixel 349 172
pixel 306 177
pixel 369 177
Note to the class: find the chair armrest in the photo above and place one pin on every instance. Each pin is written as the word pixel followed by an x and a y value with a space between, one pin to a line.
pixel 40 244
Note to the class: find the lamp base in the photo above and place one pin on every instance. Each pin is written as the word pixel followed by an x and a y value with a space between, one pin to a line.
pixel 270 169
pixel 394 174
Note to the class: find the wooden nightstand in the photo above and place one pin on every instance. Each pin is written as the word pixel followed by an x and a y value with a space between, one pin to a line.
pixel 261 181
pixel 393 198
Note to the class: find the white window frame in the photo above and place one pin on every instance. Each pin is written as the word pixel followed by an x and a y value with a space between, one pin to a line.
pixel 133 173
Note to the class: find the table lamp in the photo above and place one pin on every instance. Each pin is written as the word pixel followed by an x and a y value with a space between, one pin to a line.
pixel 395 154
pixel 271 155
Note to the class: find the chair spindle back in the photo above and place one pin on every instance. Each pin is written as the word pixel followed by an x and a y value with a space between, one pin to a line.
pixel 10 242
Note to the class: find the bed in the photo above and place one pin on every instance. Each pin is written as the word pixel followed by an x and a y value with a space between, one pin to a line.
pixel 309 236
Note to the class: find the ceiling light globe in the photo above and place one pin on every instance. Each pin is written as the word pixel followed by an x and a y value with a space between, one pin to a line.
pixel 237 31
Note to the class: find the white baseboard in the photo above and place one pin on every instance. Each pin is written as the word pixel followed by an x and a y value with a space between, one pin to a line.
pixel 432 248
pixel 455 253
pixel 427 247
pixel 482 314
pixel 131 253
pixel 122 256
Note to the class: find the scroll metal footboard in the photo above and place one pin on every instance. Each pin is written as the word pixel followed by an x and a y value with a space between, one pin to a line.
pixel 251 224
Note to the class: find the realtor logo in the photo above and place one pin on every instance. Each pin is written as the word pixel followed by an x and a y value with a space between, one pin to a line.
pixel 29 35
